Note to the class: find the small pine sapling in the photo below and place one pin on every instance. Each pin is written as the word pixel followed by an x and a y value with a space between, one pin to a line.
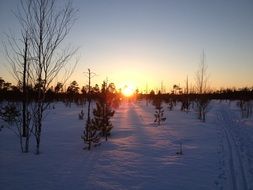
pixel 91 135
pixel 102 114
pixel 159 113
pixel 9 114
pixel 159 116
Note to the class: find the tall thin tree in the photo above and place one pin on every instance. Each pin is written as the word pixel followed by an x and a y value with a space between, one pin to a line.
pixel 91 132
pixel 47 26
pixel 17 53
pixel 201 81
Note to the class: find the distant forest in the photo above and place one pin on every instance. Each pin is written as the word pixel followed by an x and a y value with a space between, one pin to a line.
pixel 74 93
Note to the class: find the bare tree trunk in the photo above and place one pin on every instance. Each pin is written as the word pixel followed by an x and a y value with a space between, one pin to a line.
pixel 38 125
pixel 88 116
pixel 24 111
pixel 88 136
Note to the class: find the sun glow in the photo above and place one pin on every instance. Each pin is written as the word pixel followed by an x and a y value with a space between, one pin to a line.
pixel 128 90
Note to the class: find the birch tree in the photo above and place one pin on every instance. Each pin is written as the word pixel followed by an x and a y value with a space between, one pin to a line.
pixel 201 81
pixel 46 24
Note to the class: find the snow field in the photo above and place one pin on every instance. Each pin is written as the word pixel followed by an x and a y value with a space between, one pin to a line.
pixel 236 143
pixel 138 155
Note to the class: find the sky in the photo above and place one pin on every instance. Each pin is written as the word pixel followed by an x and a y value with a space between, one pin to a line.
pixel 146 43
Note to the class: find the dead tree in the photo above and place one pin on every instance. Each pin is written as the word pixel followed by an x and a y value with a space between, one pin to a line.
pixel 91 134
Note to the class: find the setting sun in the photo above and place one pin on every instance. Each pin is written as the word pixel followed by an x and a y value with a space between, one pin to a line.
pixel 128 90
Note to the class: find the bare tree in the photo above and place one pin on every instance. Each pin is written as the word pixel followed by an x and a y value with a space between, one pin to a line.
pixel 17 53
pixel 202 76
pixel 45 26
pixel 48 28
pixel 185 98
pixel 201 81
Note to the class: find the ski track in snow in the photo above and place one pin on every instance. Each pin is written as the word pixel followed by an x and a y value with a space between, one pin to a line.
pixel 238 173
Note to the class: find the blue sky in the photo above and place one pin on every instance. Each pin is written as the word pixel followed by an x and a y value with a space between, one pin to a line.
pixel 143 42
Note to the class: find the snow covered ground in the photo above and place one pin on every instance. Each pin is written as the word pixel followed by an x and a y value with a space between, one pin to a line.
pixel 217 154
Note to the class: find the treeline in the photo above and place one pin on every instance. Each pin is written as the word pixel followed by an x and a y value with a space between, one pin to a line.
pixel 226 94
pixel 73 93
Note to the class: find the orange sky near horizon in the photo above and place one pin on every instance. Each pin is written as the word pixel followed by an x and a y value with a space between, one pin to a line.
pixel 147 44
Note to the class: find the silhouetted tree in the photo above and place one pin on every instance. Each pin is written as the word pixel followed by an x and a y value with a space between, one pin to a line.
pixel 73 91
pixel 159 113
pixel 177 89
pixel 18 54
pixel 91 132
pixel 59 87
pixel 43 28
pixel 103 111
pixel 201 80
pixel 185 98
pixel 170 104
pixel 1 83
pixel 246 106
pixel 11 114
pixel 73 88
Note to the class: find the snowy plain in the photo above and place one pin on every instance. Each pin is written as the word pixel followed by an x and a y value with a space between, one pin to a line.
pixel 217 154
